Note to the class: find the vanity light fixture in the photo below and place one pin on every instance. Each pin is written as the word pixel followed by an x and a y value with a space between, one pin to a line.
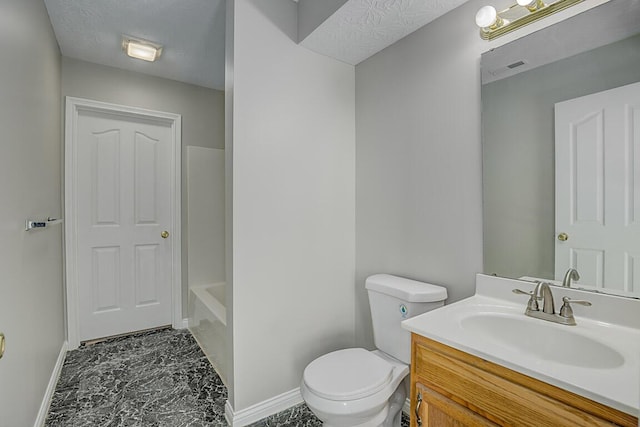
pixel 487 17
pixel 495 24
pixel 141 49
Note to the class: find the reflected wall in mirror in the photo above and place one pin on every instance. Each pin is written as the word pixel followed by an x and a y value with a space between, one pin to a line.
pixel 593 52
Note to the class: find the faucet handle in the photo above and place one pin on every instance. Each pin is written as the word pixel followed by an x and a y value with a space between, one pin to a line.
pixel 532 304
pixel 518 291
pixel 566 310
pixel 568 300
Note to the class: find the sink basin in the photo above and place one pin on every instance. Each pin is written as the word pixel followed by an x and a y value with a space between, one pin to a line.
pixel 597 358
pixel 543 340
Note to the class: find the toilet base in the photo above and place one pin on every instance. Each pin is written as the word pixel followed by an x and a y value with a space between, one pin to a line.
pixel 377 421
pixel 389 416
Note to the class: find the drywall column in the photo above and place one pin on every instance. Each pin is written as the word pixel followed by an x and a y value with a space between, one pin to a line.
pixel 228 185
pixel 293 203
pixel 31 289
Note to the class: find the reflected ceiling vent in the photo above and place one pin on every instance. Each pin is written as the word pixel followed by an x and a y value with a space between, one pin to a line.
pixel 503 70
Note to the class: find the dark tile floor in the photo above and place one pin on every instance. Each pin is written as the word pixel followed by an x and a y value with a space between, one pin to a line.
pixel 158 378
pixel 151 379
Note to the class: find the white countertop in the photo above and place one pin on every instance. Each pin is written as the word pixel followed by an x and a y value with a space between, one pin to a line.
pixel 616 386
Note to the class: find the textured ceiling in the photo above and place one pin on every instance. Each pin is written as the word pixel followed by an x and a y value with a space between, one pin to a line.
pixel 361 28
pixel 192 32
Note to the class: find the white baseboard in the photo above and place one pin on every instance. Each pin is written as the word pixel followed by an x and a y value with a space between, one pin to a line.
pixel 51 387
pixel 185 323
pixel 263 409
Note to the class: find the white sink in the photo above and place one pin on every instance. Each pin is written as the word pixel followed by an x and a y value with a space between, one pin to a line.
pixel 597 358
pixel 542 339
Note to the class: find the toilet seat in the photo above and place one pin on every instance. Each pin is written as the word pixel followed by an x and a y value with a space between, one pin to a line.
pixel 349 374
pixel 375 394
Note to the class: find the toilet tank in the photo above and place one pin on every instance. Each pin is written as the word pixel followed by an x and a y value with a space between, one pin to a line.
pixel 394 299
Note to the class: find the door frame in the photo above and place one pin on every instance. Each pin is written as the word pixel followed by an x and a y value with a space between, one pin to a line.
pixel 73 106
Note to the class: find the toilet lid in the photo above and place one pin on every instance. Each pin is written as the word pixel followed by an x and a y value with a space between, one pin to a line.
pixel 348 374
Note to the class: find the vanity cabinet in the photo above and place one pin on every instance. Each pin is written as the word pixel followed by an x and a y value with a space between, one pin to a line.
pixel 453 388
pixel 436 410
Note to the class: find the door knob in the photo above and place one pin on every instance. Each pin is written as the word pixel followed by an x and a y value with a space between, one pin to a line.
pixel 164 234
pixel 563 237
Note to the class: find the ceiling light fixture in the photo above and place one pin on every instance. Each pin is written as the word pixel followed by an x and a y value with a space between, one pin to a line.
pixel 495 24
pixel 141 49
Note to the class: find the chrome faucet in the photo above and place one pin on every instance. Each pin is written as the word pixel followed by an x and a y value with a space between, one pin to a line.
pixel 543 292
pixel 572 274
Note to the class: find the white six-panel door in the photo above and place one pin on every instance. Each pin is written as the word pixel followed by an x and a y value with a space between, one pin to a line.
pixel 123 221
pixel 598 188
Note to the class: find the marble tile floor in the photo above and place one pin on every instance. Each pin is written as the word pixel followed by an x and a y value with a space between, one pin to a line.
pixel 150 379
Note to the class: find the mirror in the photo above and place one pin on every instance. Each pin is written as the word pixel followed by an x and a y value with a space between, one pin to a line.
pixel 592 52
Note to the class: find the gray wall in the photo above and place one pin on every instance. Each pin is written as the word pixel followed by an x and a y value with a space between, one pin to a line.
pixel 418 160
pixel 202 113
pixel 31 290
pixel 293 202
pixel 519 153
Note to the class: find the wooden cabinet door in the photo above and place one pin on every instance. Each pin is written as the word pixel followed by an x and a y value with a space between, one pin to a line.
pixel 436 410
pixel 465 390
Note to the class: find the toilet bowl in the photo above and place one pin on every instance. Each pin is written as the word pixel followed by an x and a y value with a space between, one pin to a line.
pixel 360 388
pixel 355 387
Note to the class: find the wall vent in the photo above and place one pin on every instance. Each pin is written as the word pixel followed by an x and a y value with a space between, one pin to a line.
pixel 508 69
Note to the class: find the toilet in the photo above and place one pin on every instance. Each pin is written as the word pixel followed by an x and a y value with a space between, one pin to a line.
pixel 361 388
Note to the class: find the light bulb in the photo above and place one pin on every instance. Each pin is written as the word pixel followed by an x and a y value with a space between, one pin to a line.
pixel 486 16
pixel 531 5
pixel 141 51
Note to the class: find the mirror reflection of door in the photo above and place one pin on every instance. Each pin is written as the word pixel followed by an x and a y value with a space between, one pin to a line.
pixel 597 200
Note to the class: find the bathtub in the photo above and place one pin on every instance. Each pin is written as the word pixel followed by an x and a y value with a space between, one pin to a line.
pixel 208 324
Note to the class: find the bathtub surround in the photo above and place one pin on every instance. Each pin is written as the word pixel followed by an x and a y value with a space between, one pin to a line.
pixel 208 324
pixel 207 314
pixel 205 209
